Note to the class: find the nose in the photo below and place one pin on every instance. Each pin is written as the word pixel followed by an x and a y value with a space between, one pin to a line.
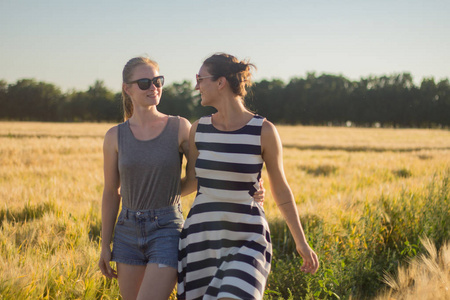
pixel 197 87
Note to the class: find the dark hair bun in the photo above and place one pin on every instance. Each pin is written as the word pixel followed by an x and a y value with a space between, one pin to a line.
pixel 238 73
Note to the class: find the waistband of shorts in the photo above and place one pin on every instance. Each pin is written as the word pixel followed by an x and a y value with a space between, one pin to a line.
pixel 150 212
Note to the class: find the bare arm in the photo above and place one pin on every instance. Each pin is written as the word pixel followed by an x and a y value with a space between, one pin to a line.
pixel 189 182
pixel 110 199
pixel 272 153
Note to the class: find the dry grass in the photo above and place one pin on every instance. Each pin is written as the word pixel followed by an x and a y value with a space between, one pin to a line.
pixel 40 129
pixel 427 277
pixel 51 181
pixel 364 139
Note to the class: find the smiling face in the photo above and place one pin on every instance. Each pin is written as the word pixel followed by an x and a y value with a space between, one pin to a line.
pixel 206 86
pixel 140 97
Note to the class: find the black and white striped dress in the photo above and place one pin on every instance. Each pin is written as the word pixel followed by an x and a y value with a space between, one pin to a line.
pixel 225 248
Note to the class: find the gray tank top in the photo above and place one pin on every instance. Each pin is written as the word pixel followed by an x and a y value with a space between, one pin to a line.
pixel 150 170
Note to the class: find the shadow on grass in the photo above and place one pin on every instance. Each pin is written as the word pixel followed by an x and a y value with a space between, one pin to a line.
pixel 27 213
pixel 95 229
pixel 362 148
pixel 322 170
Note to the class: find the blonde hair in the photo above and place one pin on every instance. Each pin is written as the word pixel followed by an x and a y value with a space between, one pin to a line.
pixel 238 73
pixel 127 74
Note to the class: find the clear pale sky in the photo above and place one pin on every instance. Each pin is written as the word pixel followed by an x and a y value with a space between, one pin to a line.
pixel 74 43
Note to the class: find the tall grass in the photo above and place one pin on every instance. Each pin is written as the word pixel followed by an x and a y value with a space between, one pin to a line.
pixel 366 198
pixel 426 277
pixel 356 252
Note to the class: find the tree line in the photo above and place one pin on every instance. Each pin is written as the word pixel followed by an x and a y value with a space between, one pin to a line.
pixel 385 101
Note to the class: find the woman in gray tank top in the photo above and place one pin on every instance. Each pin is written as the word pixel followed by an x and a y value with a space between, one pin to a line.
pixel 142 168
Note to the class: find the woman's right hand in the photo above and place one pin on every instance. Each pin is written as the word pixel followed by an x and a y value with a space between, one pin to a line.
pixel 260 195
pixel 105 267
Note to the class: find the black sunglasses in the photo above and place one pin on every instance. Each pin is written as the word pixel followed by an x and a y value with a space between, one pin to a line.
pixel 146 83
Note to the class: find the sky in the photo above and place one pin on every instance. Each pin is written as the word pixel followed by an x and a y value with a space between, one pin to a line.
pixel 71 44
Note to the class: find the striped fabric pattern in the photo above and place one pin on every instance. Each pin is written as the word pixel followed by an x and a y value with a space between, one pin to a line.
pixel 225 247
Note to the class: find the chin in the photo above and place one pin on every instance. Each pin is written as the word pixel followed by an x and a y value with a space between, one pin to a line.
pixel 154 101
pixel 205 102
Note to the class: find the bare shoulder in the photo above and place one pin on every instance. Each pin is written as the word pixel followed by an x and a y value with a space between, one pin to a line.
pixel 268 130
pixel 112 132
pixel 270 139
pixel 111 137
pixel 184 123
pixel 268 126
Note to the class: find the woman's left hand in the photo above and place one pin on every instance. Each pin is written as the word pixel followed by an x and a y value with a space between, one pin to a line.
pixel 310 259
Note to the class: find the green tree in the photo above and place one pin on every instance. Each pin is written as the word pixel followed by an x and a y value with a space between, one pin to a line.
pixel 295 106
pixel 266 98
pixel 327 96
pixel 391 100
pixel 4 105
pixel 30 100
pixel 178 99
pixel 427 102
pixel 96 104
pixel 442 100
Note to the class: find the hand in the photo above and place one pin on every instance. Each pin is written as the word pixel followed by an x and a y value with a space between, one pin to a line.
pixel 259 195
pixel 310 260
pixel 105 258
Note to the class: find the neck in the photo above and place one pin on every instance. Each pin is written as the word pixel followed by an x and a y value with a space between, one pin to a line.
pixel 231 114
pixel 145 115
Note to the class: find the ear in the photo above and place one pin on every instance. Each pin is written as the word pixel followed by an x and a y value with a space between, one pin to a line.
pixel 126 88
pixel 222 81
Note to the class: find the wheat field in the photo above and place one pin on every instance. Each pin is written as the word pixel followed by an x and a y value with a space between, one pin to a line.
pixel 363 194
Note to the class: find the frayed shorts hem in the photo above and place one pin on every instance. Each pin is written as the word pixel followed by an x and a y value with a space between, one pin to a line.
pixel 143 263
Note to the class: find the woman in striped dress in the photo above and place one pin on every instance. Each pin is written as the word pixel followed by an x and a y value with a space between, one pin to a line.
pixel 225 249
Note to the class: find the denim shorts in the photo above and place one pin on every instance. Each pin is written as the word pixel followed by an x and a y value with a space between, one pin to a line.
pixel 148 236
